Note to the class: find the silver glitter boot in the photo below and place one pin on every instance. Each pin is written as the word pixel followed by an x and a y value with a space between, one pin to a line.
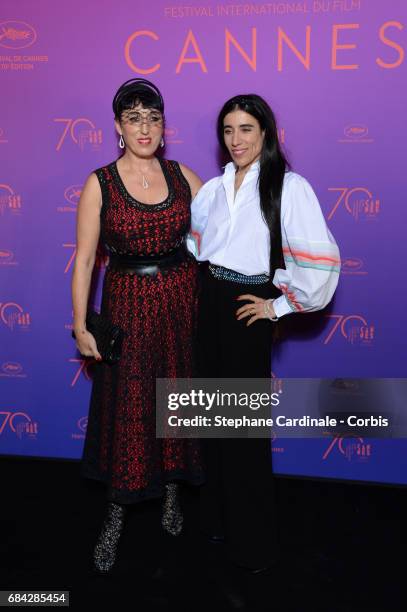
pixel 104 554
pixel 172 518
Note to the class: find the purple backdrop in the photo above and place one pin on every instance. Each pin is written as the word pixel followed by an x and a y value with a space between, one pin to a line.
pixel 333 72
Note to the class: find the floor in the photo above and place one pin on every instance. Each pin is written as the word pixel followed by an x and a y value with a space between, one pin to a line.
pixel 343 547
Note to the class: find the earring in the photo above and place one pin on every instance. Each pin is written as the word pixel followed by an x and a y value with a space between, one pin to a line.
pixel 121 142
pixel 162 143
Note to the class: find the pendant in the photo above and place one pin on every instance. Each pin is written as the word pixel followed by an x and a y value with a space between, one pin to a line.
pixel 145 183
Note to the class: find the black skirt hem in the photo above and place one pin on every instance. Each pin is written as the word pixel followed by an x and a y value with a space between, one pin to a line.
pixel 151 492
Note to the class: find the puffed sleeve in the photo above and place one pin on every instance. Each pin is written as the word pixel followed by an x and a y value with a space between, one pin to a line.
pixel 311 254
pixel 199 215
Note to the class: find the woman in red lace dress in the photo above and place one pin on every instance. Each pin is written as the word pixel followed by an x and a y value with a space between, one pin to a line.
pixel 139 206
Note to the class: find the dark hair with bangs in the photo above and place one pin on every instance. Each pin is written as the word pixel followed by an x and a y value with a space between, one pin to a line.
pixel 273 166
pixel 135 92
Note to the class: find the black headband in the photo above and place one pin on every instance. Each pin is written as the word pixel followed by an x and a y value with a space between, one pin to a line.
pixel 131 84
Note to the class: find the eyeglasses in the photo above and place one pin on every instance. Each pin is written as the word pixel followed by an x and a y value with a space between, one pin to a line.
pixel 138 119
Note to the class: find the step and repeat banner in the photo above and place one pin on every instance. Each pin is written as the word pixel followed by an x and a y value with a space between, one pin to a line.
pixel 334 72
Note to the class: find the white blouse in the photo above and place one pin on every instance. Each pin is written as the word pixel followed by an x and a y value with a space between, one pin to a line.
pixel 232 233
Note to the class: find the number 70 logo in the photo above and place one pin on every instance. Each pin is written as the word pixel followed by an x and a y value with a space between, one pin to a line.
pixel 340 324
pixel 94 135
pixel 365 203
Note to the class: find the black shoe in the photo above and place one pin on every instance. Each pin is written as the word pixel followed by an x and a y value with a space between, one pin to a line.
pixel 255 571
pixel 216 538
pixel 261 569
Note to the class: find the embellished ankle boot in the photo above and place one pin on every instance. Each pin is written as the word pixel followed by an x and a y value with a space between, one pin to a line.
pixel 172 518
pixel 104 554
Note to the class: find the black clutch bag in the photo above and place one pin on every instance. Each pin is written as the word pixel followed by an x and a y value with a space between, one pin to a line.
pixel 109 337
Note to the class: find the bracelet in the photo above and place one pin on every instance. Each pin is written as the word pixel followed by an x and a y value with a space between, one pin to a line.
pixel 267 311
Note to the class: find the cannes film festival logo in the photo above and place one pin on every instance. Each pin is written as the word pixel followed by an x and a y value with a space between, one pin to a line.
pixel 354 328
pixel 82 424
pixel 7 258
pixel 73 193
pixel 353 266
pixel 359 202
pixel 171 135
pixel 16 35
pixel 14 316
pixel 71 197
pixel 12 369
pixel 10 201
pixel 19 423
pixel 351 448
pixel 356 134
pixel 81 131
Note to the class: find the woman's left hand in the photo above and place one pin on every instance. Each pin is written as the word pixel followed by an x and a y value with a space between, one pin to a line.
pixel 255 309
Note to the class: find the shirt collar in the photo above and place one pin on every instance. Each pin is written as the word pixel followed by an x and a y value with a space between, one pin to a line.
pixel 230 169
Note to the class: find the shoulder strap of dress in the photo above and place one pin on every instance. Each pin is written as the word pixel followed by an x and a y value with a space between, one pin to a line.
pixel 104 177
pixel 177 172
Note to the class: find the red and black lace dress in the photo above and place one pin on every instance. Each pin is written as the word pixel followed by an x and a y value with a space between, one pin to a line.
pixel 158 315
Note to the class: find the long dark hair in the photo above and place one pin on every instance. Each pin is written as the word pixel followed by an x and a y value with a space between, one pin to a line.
pixel 273 166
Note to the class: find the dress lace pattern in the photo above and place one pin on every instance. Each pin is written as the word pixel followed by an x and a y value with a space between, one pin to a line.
pixel 158 315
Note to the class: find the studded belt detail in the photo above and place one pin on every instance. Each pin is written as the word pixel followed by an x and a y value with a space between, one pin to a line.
pixel 222 273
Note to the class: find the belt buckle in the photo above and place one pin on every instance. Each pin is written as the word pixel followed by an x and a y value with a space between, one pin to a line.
pixel 149 270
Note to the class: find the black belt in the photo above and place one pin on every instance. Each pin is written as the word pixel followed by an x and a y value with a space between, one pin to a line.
pixel 148 265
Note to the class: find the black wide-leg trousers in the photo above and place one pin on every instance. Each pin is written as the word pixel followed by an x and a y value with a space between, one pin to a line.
pixel 238 498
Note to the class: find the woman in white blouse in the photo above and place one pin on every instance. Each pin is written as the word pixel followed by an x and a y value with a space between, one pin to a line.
pixel 268 253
